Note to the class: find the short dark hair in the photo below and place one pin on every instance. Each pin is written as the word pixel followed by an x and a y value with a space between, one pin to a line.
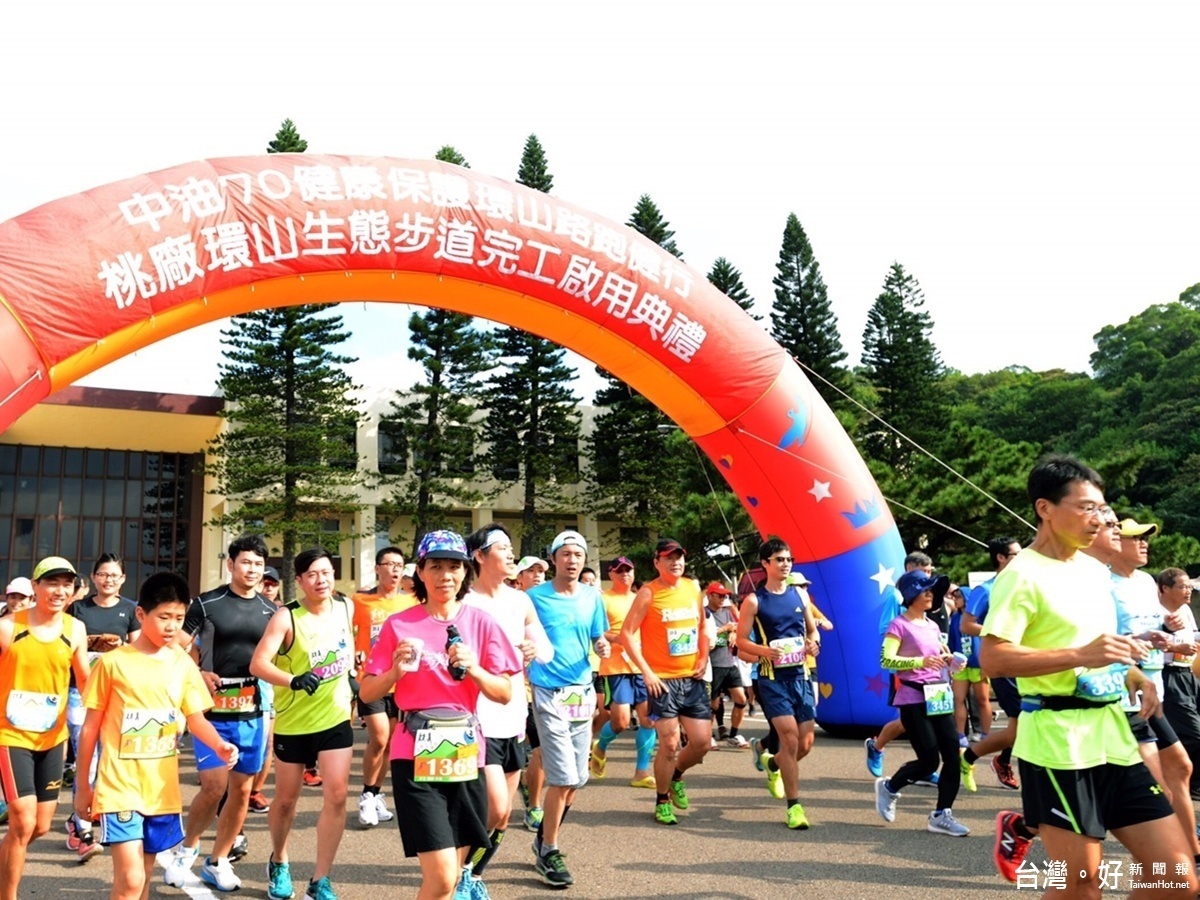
pixel 770 547
pixel 477 541
pixel 305 559
pixel 918 560
pixel 248 543
pixel 585 570
pixel 419 585
pixel 998 547
pixel 385 551
pixel 1053 476
pixel 1169 578
pixel 108 558
pixel 163 587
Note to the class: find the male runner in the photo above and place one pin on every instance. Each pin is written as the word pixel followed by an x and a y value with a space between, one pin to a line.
pixel 726 676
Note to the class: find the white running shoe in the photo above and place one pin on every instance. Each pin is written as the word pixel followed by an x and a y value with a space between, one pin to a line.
pixel 944 823
pixel 219 874
pixel 368 813
pixel 885 801
pixel 182 859
pixel 738 743
pixel 385 814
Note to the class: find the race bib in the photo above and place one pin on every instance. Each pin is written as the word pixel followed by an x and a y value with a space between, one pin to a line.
pixel 445 753
pixel 376 628
pixel 236 698
pixel 148 734
pixel 576 703
pixel 93 657
pixel 683 641
pixel 1102 685
pixel 939 699
pixel 31 711
pixel 723 639
pixel 330 664
pixel 792 649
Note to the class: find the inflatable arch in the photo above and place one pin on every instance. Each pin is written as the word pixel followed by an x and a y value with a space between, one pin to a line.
pixel 90 278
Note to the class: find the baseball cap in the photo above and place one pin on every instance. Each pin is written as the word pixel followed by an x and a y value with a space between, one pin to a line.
pixel 568 538
pixel 620 561
pixel 442 544
pixel 270 573
pixel 913 584
pixel 409 571
pixel 21 586
pixel 798 577
pixel 51 566
pixel 715 587
pixel 529 561
pixel 1130 528
pixel 667 546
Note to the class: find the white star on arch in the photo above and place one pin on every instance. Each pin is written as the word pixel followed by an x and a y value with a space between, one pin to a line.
pixel 820 490
pixel 883 577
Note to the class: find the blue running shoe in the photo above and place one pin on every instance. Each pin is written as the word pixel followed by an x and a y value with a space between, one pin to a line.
pixel 279 881
pixel 874 758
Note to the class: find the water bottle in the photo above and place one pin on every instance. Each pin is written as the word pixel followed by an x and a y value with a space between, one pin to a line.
pixel 959 663
pixel 458 673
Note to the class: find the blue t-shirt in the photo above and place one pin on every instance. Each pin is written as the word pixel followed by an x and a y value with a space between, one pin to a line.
pixel 963 643
pixel 979 600
pixel 779 616
pixel 572 623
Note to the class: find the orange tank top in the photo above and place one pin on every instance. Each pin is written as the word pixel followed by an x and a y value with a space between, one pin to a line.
pixel 34 677
pixel 671 629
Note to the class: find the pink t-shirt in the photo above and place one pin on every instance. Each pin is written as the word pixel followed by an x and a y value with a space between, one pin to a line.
pixel 431 687
pixel 919 638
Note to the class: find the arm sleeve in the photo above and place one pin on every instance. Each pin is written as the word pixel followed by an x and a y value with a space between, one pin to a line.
pixel 889 657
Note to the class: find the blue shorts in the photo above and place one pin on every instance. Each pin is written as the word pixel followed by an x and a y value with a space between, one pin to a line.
pixel 624 690
pixel 787 697
pixel 248 735
pixel 157 833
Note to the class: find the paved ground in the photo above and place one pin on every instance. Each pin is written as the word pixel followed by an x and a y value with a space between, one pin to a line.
pixel 731 844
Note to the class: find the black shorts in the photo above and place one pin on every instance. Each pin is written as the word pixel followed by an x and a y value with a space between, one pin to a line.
pixel 687 697
pixel 531 735
pixel 385 704
pixel 507 753
pixel 725 678
pixel 304 749
pixel 26 773
pixel 437 816
pixel 1007 696
pixel 1097 800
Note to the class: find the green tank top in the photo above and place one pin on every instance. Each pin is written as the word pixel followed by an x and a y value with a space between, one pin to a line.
pixel 325 645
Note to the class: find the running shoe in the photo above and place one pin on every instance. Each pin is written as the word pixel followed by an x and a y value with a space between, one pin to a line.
pixel 462 890
pixel 368 815
pixel 88 846
pixel 479 890
pixel 279 881
pixel 381 808
pixel 241 846
pixel 722 732
pixel 321 889
pixel 259 803
pixel 598 762
pixel 774 780
pixel 931 781
pixel 219 874
pixel 944 823
pixel 665 815
pixel 738 743
pixel 679 797
pixel 72 833
pixel 757 747
pixel 553 869
pixel 524 792
pixel 312 778
pixel 647 782
pixel 874 758
pixel 1011 849
pixel 885 800
pixel 180 867
pixel 533 818
pixel 796 818
pixel 68 777
pixel 1005 775
pixel 968 773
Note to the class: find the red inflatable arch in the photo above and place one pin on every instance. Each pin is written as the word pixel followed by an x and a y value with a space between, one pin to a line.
pixel 87 279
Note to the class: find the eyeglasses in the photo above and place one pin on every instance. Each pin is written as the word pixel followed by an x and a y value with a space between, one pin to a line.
pixel 107 576
pixel 780 559
pixel 391 565
pixel 1087 509
pixel 1137 538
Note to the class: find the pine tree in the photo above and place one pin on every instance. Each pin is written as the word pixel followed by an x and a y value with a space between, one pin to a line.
pixel 532 415
pixel 448 154
pixel 728 280
pixel 648 220
pixel 802 320
pixel 288 457
pixel 904 367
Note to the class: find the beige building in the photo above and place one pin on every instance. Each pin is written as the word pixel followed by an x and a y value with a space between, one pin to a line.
pixel 93 470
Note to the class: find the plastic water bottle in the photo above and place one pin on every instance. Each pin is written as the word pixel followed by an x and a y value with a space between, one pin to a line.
pixel 458 673
pixel 959 663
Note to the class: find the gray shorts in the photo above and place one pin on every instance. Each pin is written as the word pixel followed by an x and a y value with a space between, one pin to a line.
pixel 566 744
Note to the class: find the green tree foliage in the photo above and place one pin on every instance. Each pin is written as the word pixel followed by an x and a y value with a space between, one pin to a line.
pixel 448 154
pixel 802 320
pixel 728 280
pixel 287 460
pixel 534 171
pixel 648 220
pixel 437 420
pixel 902 364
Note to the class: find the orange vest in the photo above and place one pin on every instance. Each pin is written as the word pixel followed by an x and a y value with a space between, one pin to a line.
pixel 34 677
pixel 671 629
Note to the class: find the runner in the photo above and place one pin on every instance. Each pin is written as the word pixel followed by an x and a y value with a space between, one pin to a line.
pixel 39 648
pixel 726 676
pixel 531 571
pixel 664 636
pixel 307 653
pixel 371 609
pixel 223 627
pixel 777 627
pixel 438 660
pixel 258 803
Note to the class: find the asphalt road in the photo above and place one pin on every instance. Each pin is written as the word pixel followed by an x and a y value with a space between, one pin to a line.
pixel 732 843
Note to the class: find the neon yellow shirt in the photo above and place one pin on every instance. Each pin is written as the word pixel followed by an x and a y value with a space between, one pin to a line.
pixel 323 644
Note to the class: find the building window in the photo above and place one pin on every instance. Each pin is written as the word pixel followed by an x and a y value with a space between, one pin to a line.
pixel 393 448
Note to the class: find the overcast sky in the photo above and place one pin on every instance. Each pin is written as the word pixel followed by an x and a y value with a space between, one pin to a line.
pixel 1034 165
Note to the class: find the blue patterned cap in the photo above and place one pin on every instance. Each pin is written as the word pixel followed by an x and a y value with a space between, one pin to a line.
pixel 442 544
